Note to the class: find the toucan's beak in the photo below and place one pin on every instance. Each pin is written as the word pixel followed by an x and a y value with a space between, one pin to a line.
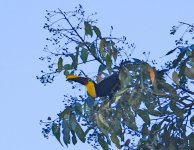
pixel 78 79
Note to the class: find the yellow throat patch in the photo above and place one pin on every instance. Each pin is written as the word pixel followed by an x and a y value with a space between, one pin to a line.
pixel 90 87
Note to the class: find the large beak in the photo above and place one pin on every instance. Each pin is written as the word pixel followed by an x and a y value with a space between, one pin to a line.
pixel 78 79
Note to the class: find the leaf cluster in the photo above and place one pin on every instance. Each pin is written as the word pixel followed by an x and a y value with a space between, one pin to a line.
pixel 151 105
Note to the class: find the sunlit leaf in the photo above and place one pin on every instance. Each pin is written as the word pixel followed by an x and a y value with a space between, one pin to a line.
pixel 65 114
pixel 115 140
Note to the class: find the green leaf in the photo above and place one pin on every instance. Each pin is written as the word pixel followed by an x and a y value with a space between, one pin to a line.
pixel 154 113
pixel 56 132
pixel 60 64
pixel 66 132
pixel 97 31
pixel 65 114
pixel 103 44
pixel 80 133
pixel 145 130
pixel 78 108
pixel 102 143
pixel 84 55
pixel 144 115
pixel 88 29
pixel 175 77
pixel 93 50
pixel 101 68
pixel 67 67
pixel 179 58
pixel 115 53
pixel 189 72
pixel 109 62
pixel 74 139
pixel 116 141
pixel 191 140
pixel 177 111
pixel 133 125
pixel 155 128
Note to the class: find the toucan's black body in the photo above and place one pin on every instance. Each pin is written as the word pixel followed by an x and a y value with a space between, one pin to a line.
pixel 107 86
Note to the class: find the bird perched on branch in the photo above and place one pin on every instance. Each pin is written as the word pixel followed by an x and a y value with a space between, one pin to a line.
pixel 101 89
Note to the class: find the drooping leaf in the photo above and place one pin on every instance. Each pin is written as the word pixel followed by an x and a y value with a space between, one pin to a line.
pixel 108 62
pixel 93 50
pixel 84 55
pixel 179 58
pixel 80 133
pixel 66 132
pixel 88 29
pixel 97 31
pixel 102 142
pixel 60 64
pixel 145 130
pixel 56 132
pixel 74 138
pixel 115 53
pixel 103 44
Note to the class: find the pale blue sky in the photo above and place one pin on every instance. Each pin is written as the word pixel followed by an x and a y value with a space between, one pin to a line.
pixel 23 100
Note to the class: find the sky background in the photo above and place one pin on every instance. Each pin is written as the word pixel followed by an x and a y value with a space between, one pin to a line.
pixel 24 101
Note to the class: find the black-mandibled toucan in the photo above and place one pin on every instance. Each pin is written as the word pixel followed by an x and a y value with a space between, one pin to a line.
pixel 102 89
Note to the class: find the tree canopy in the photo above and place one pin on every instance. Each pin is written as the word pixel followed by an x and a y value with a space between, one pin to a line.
pixel 152 109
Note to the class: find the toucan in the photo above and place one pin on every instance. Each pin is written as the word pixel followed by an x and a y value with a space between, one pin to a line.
pixel 102 89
